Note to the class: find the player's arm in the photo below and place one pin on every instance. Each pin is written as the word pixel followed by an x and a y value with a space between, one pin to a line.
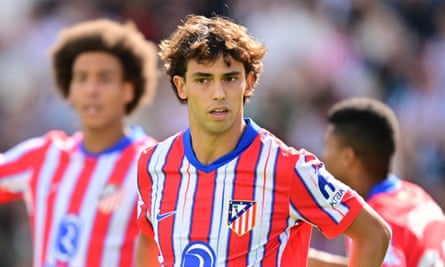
pixel 146 252
pixel 370 236
pixel 319 258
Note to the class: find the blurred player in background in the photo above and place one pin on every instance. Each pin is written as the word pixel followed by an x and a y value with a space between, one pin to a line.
pixel 80 190
pixel 361 140
pixel 226 192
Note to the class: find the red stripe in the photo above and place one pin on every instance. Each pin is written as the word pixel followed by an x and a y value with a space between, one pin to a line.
pixel 64 159
pixel 102 220
pixel 202 206
pixel 169 198
pixel 81 185
pixel 144 184
pixel 243 190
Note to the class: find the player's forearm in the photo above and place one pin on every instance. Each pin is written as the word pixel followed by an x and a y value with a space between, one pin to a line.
pixel 367 254
pixel 370 236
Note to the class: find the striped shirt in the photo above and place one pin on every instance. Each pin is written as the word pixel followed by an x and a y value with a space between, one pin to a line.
pixel 82 207
pixel 254 206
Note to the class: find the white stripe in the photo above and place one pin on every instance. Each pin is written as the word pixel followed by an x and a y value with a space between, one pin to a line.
pixel 243 223
pixel 19 150
pixel 183 216
pixel 120 219
pixel 43 186
pixel 16 183
pixel 251 212
pixel 100 176
pixel 223 193
pixel 262 226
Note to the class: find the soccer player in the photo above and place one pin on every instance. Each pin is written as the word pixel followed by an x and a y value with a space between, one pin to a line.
pixel 226 192
pixel 360 142
pixel 80 190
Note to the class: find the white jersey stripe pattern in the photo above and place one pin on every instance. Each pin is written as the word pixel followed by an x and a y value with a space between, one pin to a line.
pixel 82 207
pixel 207 212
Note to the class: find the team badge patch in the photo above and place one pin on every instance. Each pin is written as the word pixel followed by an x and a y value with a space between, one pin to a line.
pixel 110 198
pixel 242 216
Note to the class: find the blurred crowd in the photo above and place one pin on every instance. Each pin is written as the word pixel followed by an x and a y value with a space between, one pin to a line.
pixel 319 51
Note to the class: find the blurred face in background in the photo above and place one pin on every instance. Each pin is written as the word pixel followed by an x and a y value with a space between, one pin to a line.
pixel 98 92
pixel 336 156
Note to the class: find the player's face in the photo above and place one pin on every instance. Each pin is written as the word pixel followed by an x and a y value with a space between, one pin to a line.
pixel 335 155
pixel 215 93
pixel 98 92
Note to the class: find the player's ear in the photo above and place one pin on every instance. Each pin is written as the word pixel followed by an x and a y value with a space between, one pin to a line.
pixel 250 84
pixel 179 83
pixel 128 91
pixel 348 155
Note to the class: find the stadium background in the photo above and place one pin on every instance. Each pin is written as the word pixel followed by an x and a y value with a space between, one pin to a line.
pixel 319 51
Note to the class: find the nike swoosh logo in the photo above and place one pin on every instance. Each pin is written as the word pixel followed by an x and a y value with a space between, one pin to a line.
pixel 162 216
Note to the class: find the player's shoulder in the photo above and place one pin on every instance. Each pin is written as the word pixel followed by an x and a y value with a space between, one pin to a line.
pixel 146 141
pixel 56 138
pixel 62 139
pixel 287 153
pixel 410 203
pixel 58 135
pixel 163 144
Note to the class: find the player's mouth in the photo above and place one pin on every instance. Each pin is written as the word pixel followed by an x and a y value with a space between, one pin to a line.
pixel 219 113
pixel 91 109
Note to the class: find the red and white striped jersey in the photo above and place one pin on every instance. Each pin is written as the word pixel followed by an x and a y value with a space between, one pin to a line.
pixel 82 207
pixel 253 207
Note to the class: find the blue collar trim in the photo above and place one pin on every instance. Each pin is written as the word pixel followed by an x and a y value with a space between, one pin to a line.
pixel 135 133
pixel 390 184
pixel 246 139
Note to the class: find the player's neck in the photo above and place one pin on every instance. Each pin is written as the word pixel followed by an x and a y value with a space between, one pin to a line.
pixel 364 183
pixel 99 140
pixel 210 147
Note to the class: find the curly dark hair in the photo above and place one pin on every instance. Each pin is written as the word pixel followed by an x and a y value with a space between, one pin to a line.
pixel 369 127
pixel 136 54
pixel 204 39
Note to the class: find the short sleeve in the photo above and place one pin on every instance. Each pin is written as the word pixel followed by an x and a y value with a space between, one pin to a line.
pixel 320 199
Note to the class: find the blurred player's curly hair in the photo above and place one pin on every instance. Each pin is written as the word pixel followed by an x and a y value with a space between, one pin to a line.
pixel 204 39
pixel 136 54
pixel 370 128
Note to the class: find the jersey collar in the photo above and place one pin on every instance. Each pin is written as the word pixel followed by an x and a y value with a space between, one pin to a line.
pixel 246 139
pixel 390 184
pixel 136 133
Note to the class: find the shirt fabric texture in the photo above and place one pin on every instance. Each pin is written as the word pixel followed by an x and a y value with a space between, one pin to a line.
pixel 255 206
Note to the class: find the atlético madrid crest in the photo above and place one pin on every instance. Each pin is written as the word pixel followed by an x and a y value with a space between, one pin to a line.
pixel 110 198
pixel 242 216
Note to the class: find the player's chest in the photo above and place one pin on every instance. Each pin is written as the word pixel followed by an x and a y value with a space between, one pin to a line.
pixel 208 203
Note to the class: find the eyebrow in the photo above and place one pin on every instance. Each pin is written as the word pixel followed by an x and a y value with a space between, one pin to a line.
pixel 205 74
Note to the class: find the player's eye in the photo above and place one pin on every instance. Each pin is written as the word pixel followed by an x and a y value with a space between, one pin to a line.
pixel 79 77
pixel 231 78
pixel 202 80
pixel 105 77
